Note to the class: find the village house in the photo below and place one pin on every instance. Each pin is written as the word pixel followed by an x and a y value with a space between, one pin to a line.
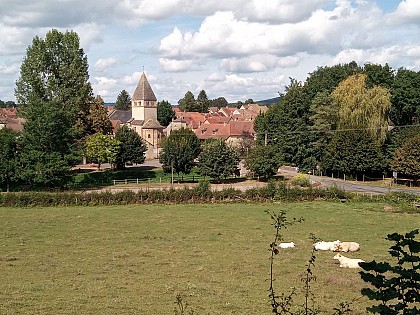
pixel 229 123
pixel 9 119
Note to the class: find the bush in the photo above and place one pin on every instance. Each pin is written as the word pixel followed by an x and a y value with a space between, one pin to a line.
pixel 301 180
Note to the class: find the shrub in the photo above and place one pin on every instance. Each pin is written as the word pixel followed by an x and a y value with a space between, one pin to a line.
pixel 301 180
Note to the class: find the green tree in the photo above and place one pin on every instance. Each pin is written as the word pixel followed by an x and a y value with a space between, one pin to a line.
pixel 262 161
pixel 7 104
pixel 98 120
pixel 132 147
pixel 8 156
pixel 102 148
pixel 363 108
pixel 217 159
pixel 219 102
pixel 407 158
pixel 395 286
pixel 354 152
pixel 286 126
pixel 188 103
pixel 326 79
pixel 123 101
pixel 203 103
pixel 179 151
pixel 55 69
pixel 378 75
pixel 324 119
pixel 48 149
pixel 165 113
pixel 405 99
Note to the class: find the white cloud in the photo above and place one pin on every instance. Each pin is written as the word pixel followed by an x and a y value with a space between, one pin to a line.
pixel 169 65
pixel 104 64
pixel 104 86
pixel 408 11
pixel 89 33
pixel 391 55
pixel 231 48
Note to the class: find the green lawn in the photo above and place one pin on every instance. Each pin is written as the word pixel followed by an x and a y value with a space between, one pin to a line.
pixel 136 259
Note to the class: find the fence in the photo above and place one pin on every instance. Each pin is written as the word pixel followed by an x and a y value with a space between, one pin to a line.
pixel 176 179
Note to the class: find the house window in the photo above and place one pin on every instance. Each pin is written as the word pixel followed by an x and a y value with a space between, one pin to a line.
pixel 148 135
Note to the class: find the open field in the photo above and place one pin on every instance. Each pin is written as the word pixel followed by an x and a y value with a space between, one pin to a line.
pixel 136 259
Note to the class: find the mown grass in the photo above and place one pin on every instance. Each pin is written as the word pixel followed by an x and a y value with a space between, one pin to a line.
pixel 136 259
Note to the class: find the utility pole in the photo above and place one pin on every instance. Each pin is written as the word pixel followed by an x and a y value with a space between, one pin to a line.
pixel 172 172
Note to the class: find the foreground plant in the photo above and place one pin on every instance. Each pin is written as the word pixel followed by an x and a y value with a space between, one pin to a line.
pixel 396 287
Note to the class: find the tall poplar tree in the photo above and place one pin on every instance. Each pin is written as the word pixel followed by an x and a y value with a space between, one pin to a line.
pixel 53 95
pixel 55 69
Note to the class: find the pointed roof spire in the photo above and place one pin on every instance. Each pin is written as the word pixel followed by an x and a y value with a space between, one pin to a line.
pixel 144 91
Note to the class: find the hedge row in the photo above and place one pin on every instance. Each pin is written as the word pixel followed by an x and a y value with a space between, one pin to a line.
pixel 199 194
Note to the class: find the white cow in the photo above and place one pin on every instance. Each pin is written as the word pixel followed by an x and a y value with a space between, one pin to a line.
pixel 346 262
pixel 347 247
pixel 287 245
pixel 326 245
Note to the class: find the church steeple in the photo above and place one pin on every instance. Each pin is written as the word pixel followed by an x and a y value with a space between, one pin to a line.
pixel 144 91
pixel 144 102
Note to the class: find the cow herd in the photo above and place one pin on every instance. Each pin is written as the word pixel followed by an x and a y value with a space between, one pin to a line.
pixel 335 246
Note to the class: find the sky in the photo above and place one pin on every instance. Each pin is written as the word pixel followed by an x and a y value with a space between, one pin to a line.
pixel 237 49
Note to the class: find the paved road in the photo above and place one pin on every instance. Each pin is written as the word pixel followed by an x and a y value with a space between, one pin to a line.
pixel 362 188
pixel 351 186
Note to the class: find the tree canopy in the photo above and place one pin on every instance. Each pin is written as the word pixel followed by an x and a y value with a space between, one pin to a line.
pixel 48 149
pixel 98 120
pixel 102 148
pixel 219 102
pixel 55 69
pixel 217 160
pixel 203 102
pixel 165 113
pixel 262 161
pixel 179 151
pixel 123 101
pixel 407 158
pixel 188 103
pixel 132 147
pixel 8 156
pixel 361 107
pixel 405 108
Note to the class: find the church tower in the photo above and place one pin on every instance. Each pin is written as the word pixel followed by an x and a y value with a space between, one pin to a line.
pixel 144 102
pixel 144 117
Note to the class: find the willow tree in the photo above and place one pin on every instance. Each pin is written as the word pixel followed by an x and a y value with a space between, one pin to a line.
pixel 361 107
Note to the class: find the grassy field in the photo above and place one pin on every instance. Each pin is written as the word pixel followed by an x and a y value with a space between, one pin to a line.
pixel 136 259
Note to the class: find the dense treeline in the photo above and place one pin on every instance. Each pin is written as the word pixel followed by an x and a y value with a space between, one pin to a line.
pixel 346 119
pixel 7 104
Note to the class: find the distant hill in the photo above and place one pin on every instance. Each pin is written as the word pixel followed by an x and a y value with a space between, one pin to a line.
pixel 269 102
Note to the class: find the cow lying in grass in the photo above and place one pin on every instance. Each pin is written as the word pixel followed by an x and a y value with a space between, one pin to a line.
pixel 287 245
pixel 346 247
pixel 326 245
pixel 346 262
